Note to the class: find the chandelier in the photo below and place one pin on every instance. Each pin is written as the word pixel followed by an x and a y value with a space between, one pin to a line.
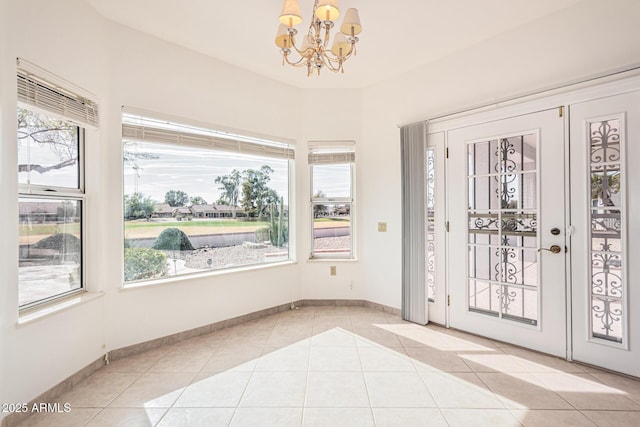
pixel 313 52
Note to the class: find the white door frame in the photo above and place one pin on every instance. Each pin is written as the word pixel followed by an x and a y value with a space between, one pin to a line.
pixel 617 83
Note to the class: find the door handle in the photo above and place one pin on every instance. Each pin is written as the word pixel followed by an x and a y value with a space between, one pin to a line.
pixel 555 249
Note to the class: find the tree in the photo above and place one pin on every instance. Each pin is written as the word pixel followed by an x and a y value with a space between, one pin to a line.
pixel 230 186
pixel 197 200
pixel 138 206
pixel 131 154
pixel 66 211
pixel 59 136
pixel 256 195
pixel 176 198
pixel 319 210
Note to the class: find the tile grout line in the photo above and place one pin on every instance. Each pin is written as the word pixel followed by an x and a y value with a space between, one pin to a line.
pixel 364 380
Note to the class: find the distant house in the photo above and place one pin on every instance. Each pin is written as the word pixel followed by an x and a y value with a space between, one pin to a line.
pixel 225 211
pixel 182 212
pixel 214 211
pixel 39 212
pixel 204 211
pixel 163 210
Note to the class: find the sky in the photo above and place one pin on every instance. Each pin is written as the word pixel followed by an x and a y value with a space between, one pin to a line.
pixel 194 171
pixel 188 169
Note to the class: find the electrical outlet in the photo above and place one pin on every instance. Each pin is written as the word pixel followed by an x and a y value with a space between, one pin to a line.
pixel 382 227
pixel 332 270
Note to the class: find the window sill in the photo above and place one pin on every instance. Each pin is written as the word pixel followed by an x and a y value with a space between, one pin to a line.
pixel 172 280
pixel 65 304
pixel 313 260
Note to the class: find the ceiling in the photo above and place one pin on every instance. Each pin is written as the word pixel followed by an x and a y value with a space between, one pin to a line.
pixel 397 36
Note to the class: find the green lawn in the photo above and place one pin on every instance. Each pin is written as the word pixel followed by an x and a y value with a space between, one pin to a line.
pixel 47 229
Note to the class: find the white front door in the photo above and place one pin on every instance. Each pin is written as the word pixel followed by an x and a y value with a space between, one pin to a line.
pixel 605 215
pixel 506 200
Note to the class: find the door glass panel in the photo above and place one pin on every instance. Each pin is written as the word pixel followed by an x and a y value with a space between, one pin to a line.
pixel 607 261
pixel 502 228
pixel 431 230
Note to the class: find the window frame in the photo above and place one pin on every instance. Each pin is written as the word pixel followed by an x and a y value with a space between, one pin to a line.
pixel 340 147
pixel 179 132
pixel 55 193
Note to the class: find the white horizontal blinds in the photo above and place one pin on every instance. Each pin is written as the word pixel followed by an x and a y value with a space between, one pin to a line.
pixel 41 93
pixel 332 154
pixel 144 129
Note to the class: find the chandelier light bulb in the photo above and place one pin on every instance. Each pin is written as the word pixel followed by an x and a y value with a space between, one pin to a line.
pixel 290 14
pixel 327 10
pixel 283 40
pixel 351 23
pixel 341 47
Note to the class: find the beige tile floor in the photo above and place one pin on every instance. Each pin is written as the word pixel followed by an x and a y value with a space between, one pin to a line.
pixel 346 366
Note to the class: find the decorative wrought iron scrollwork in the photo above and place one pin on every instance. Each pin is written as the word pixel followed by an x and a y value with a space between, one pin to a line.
pixel 484 223
pixel 504 150
pixel 506 298
pixel 605 281
pixel 506 271
pixel 607 285
pixel 605 141
pixel 502 189
pixel 505 191
pixel 431 179
pixel 519 223
pixel 608 316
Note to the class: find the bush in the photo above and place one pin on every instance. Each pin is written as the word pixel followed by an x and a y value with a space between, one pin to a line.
pixel 63 242
pixel 262 234
pixel 144 263
pixel 173 239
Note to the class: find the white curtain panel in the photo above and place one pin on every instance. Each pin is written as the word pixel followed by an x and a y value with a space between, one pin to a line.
pixel 412 147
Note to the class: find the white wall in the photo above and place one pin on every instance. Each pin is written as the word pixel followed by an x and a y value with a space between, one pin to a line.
pixel 147 73
pixel 39 355
pixel 7 210
pixel 332 115
pixel 589 38
pixel 124 67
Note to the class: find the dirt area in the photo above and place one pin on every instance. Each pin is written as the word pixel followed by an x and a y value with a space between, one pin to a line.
pixel 152 232
pixel 204 230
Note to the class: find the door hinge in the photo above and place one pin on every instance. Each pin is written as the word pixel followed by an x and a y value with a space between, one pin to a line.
pixel 446 152
pixel 561 111
pixel 448 300
pixel 446 226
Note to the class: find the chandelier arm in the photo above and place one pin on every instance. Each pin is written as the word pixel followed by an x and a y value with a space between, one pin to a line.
pixel 329 63
pixel 298 63
pixel 293 45
pixel 327 35
pixel 331 57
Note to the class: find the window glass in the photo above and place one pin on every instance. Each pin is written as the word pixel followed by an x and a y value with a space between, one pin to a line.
pixel 332 181
pixel 50 248
pixel 194 209
pixel 332 200
pixel 48 151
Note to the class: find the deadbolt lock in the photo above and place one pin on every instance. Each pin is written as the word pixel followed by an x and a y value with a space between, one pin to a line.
pixel 555 231
pixel 554 249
